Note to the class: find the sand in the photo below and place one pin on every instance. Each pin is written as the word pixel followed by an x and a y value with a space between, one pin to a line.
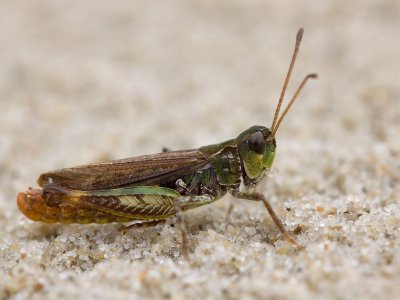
pixel 85 82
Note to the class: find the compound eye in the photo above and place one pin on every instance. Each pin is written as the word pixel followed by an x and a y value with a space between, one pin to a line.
pixel 257 142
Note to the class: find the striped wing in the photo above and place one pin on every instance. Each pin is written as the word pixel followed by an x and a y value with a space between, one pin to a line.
pixel 141 170
pixel 136 203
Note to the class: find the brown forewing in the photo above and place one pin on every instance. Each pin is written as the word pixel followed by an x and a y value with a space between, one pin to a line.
pixel 140 170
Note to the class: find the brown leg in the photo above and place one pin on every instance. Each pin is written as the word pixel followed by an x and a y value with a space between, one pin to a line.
pixel 277 221
pixel 228 213
pixel 187 202
pixel 183 225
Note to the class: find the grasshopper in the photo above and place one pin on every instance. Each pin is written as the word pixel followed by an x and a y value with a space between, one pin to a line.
pixel 151 188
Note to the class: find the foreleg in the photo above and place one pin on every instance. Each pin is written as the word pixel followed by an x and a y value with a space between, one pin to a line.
pixel 275 218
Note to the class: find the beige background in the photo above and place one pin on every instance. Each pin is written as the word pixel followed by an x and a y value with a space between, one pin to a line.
pixel 88 81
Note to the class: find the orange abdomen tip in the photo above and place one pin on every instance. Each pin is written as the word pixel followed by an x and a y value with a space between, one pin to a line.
pixel 34 207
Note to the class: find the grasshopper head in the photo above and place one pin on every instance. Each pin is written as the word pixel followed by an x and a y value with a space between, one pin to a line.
pixel 257 150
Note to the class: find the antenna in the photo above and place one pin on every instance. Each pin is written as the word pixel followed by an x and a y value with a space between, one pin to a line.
pixel 309 76
pixel 289 73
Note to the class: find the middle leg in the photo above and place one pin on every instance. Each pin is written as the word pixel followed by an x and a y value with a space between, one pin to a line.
pixel 181 204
